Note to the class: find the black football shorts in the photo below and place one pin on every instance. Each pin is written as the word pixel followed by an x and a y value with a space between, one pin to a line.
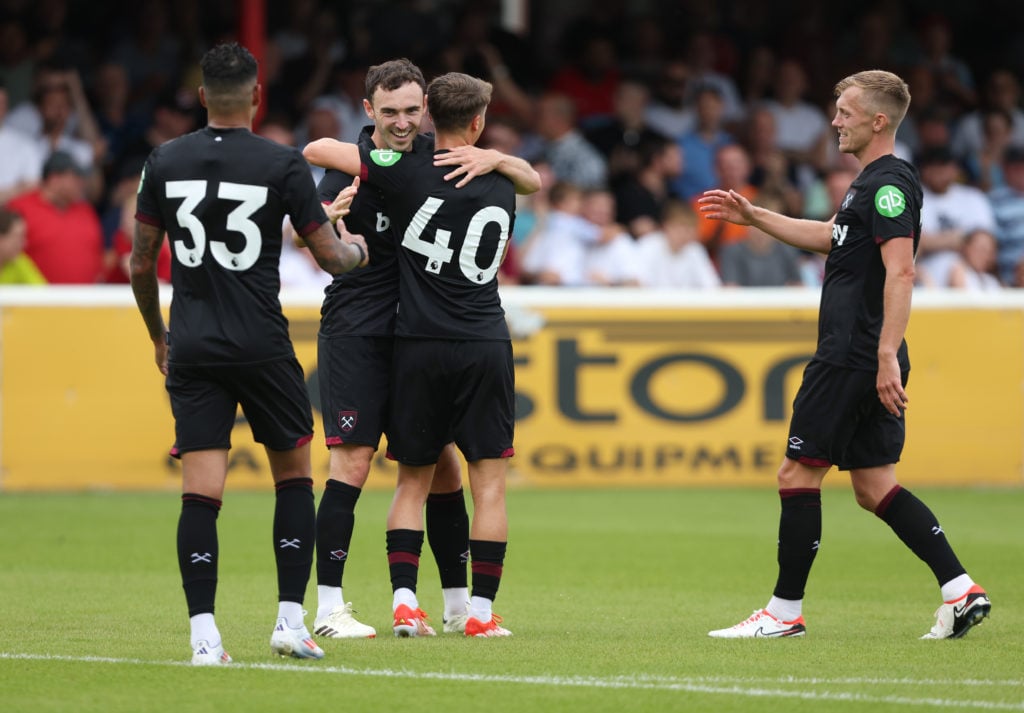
pixel 273 397
pixel 354 374
pixel 451 390
pixel 838 420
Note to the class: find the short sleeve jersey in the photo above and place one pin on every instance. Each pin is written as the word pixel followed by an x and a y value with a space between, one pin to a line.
pixel 363 302
pixel 882 203
pixel 451 243
pixel 222 195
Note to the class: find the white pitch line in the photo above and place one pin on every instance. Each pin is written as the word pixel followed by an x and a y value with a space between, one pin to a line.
pixel 726 686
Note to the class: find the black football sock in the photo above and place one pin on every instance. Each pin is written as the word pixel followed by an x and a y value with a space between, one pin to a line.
pixel 799 536
pixel 294 536
pixel 404 548
pixel 915 524
pixel 448 534
pixel 335 520
pixel 487 564
pixel 198 551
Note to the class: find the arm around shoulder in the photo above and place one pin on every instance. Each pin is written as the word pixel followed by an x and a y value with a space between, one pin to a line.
pixel 330 153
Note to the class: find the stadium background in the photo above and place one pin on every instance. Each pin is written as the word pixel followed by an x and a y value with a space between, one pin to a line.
pixel 623 389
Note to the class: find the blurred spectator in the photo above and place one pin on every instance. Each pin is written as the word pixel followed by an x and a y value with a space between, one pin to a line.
pixel 975 271
pixel 924 100
pixel 531 213
pixel 759 260
pixel 640 196
pixel 555 253
pixel 117 124
pixel 120 251
pixel 834 186
pixel 954 81
pixel 801 128
pixel 17 60
pixel 668 113
pixel 703 53
pixel 771 170
pixel 571 156
pixel 701 144
pixel 591 76
pixel 278 129
pixel 1002 91
pixel 64 236
pixel 16 268
pixel 174 115
pixel 150 53
pixel 344 96
pixel 985 168
pixel 732 166
pixel 612 260
pixel 950 210
pixel 618 137
pixel 21 164
pixel 759 76
pixel 1008 208
pixel 673 257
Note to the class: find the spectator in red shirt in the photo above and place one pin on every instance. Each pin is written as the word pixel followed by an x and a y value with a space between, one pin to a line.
pixel 64 239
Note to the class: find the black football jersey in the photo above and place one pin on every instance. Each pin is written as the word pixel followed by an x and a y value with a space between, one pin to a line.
pixel 451 243
pixel 883 203
pixel 364 301
pixel 222 196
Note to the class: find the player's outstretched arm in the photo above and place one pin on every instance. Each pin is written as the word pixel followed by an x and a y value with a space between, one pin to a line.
pixel 472 161
pixel 145 249
pixel 813 235
pixel 330 153
pixel 337 256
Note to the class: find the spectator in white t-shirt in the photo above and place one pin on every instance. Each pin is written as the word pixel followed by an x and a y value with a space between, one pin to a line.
pixel 950 210
pixel 674 256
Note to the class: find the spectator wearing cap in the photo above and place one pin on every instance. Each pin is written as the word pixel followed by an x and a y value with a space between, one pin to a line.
pixel 951 209
pixel 63 237
pixel 1008 206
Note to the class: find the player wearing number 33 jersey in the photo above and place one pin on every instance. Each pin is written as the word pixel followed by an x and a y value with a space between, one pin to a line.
pixel 222 195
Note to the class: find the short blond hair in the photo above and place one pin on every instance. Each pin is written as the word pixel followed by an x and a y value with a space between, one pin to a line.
pixel 884 91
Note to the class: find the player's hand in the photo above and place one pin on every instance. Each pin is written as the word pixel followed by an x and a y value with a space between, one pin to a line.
pixel 469 162
pixel 355 239
pixel 160 352
pixel 342 204
pixel 717 204
pixel 890 387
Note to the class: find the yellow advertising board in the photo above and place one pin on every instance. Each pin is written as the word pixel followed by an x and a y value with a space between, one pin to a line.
pixel 614 388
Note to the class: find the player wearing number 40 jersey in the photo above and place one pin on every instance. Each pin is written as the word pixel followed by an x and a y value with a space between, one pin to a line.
pixel 850 408
pixel 354 350
pixel 453 376
pixel 221 194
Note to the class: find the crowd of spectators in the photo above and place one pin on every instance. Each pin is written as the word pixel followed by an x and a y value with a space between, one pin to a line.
pixel 629 110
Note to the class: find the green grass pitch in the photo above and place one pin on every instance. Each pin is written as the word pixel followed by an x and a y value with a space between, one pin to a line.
pixel 610 595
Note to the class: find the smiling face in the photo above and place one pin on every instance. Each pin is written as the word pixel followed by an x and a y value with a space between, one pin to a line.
pixel 396 115
pixel 854 121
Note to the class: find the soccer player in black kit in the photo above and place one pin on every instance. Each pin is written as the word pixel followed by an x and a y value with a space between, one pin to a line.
pixel 452 375
pixel 354 351
pixel 849 410
pixel 222 193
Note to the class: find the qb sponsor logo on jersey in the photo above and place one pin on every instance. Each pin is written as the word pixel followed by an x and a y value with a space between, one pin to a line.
pixel 889 201
pixel 385 157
